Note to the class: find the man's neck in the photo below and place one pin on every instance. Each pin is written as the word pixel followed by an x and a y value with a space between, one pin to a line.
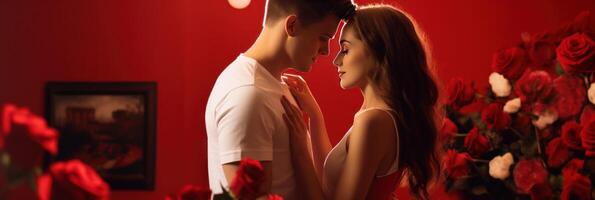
pixel 267 50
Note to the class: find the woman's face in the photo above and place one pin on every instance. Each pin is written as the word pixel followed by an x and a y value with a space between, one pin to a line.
pixel 354 61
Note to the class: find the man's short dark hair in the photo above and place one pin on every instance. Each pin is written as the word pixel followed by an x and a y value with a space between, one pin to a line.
pixel 308 11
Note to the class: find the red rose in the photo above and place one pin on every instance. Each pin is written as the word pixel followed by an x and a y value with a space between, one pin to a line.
pixel 577 54
pixel 248 180
pixel 541 191
pixel 546 133
pixel 44 187
pixel 588 114
pixel 460 93
pixel 571 135
pixel 557 153
pixel 542 53
pixel 548 37
pixel 511 63
pixel 476 143
pixel 7 112
pixel 191 192
pixel 72 180
pixel 475 107
pixel 535 86
pixel 588 132
pixel 456 164
pixel 274 197
pixel 575 186
pixel 448 130
pixel 34 126
pixel 584 22
pixel 495 117
pixel 573 165
pixel 588 138
pixel 571 95
pixel 529 173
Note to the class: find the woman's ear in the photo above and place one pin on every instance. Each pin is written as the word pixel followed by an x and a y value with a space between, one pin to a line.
pixel 291 25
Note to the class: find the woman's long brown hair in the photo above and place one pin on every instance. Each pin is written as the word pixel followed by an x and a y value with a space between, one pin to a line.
pixel 406 81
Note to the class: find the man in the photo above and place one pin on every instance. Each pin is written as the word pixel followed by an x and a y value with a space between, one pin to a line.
pixel 244 113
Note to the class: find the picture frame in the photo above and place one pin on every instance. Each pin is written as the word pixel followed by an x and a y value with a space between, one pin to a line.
pixel 108 125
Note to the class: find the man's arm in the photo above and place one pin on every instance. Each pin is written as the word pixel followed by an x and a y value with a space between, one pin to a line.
pixel 245 125
pixel 230 170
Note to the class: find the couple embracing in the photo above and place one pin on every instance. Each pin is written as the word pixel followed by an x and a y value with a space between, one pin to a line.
pixel 255 109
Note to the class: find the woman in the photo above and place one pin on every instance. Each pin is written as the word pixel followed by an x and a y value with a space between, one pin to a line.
pixel 393 134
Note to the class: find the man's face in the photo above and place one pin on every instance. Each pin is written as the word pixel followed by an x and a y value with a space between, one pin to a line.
pixel 310 42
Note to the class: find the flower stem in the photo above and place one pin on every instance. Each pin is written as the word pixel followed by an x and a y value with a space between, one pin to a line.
pixel 460 135
pixel 516 132
pixel 538 141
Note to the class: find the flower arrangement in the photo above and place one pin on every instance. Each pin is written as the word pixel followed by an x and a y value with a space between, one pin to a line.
pixel 24 137
pixel 245 186
pixel 531 133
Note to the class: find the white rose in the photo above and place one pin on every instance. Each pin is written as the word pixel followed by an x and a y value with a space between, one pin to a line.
pixel 545 118
pixel 513 105
pixel 500 165
pixel 500 85
pixel 592 93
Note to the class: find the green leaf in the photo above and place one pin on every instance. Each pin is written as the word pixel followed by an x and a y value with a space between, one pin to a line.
pixel 559 69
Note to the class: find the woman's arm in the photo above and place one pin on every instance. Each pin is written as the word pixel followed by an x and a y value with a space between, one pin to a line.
pixel 307 180
pixel 321 144
pixel 371 141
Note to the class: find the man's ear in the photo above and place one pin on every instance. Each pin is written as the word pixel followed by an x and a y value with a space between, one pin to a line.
pixel 291 25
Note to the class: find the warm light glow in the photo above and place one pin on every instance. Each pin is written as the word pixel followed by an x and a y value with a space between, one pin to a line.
pixel 239 4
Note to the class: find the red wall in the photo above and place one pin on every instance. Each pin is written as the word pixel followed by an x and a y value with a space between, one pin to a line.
pixel 184 44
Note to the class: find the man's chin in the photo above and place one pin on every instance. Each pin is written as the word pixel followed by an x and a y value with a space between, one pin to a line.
pixel 303 68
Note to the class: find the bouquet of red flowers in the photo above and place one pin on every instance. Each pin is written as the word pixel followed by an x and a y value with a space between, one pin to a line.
pixel 24 137
pixel 531 134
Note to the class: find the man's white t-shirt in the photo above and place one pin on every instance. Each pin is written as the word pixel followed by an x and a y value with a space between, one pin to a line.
pixel 244 119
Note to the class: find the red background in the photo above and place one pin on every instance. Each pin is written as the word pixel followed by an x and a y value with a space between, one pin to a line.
pixel 184 44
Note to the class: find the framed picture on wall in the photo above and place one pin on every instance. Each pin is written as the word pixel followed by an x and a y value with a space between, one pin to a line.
pixel 108 125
